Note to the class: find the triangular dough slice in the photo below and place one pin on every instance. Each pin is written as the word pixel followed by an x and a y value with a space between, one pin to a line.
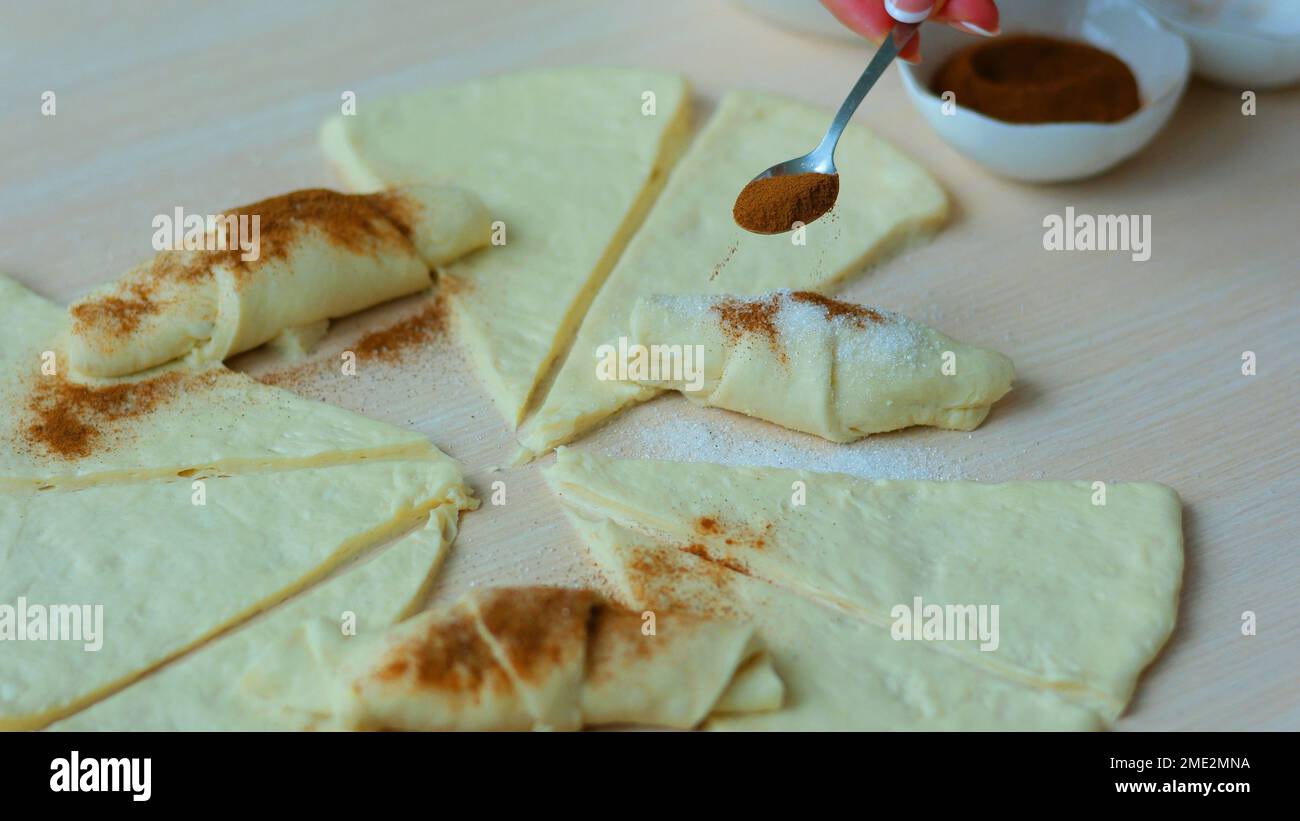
pixel 170 573
pixel 539 634
pixel 885 200
pixel 435 671
pixel 549 658
pixel 66 433
pixel 839 673
pixel 568 160
pixel 1087 592
pixel 207 689
pixel 712 666
pixel 830 368
pixel 575 660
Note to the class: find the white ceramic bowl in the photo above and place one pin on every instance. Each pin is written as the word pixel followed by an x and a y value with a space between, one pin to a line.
pixel 1234 54
pixel 1060 151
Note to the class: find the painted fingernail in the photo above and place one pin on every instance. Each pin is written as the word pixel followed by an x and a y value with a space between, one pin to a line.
pixel 909 11
pixel 974 29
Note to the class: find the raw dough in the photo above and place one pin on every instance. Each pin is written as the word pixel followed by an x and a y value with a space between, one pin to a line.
pixel 68 433
pixel 885 201
pixel 204 692
pixel 274 491
pixel 1087 593
pixel 293 344
pixel 170 574
pixel 567 160
pixel 837 370
pixel 322 255
pixel 542 658
pixel 840 672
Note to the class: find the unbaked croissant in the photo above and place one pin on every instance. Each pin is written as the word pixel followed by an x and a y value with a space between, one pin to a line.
pixel 319 255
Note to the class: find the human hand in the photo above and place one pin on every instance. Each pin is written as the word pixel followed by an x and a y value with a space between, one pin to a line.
pixel 870 19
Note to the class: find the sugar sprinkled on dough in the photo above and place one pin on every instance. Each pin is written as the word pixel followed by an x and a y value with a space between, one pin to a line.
pixel 864 335
pixel 671 428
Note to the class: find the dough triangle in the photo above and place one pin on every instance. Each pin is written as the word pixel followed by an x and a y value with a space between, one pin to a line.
pixel 567 160
pixel 169 421
pixel 886 200
pixel 170 574
pixel 208 689
pixel 545 658
pixel 1087 594
pixel 839 672
pixel 273 492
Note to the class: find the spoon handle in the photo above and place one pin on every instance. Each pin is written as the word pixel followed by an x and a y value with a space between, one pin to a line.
pixel 898 37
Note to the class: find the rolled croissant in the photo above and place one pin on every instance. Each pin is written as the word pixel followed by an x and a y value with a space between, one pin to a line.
pixel 320 255
pixel 814 364
pixel 537 658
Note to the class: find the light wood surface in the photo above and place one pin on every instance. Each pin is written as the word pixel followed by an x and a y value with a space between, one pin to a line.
pixel 1125 370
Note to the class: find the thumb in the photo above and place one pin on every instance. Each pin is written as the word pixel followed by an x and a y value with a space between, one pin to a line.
pixel 869 19
pixel 907 11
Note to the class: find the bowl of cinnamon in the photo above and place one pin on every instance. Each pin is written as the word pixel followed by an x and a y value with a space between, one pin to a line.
pixel 1069 90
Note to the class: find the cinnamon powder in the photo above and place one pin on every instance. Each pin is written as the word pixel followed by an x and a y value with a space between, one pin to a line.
pixel 451 656
pixel 702 552
pixel 1032 78
pixel 537 627
pixel 859 315
pixel 72 420
pixel 361 223
pixel 121 314
pixel 733 535
pixel 655 575
pixel 740 317
pixel 772 205
pixel 356 222
pixel 390 345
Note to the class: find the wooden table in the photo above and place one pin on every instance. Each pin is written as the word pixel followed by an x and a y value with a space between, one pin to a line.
pixel 1125 370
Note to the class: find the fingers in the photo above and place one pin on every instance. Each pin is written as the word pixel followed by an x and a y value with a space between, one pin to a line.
pixel 909 11
pixel 866 17
pixel 869 18
pixel 970 16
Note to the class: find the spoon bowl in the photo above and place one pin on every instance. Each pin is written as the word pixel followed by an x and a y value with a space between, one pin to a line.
pixel 817 161
pixel 821 160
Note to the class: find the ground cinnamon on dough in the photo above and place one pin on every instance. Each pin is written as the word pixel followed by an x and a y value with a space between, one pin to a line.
pixel 749 316
pixel 773 204
pixel 859 315
pixel 122 314
pixel 356 222
pixel 707 524
pixel 655 575
pixel 536 626
pixel 391 344
pixel 451 656
pixel 361 223
pixel 72 420
pixel 740 317
pixel 733 535
pixel 606 651
pixel 702 552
